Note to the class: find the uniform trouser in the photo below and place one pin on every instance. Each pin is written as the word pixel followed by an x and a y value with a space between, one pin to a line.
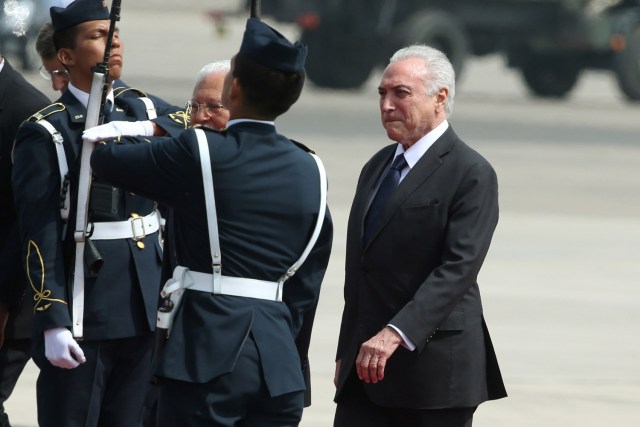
pixel 14 355
pixel 237 399
pixel 108 390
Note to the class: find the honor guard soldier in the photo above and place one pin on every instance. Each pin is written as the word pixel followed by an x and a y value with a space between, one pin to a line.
pixel 249 208
pixel 107 296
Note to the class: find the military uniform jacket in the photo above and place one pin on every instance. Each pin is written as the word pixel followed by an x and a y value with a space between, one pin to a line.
pixel 122 300
pixel 18 100
pixel 419 273
pixel 267 199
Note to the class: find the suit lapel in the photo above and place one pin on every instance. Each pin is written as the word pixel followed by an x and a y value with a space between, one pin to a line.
pixel 421 171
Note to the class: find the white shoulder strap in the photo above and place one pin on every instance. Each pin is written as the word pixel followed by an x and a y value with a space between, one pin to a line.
pixel 210 203
pixel 316 232
pixel 62 165
pixel 151 109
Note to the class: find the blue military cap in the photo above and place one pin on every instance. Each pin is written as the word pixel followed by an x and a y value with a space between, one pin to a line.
pixel 266 46
pixel 78 12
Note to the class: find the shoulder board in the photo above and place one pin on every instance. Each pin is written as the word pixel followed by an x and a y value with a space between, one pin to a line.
pixel 304 147
pixel 47 111
pixel 120 90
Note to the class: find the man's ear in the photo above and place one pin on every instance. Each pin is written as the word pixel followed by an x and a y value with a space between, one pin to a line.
pixel 235 91
pixel 65 55
pixel 442 95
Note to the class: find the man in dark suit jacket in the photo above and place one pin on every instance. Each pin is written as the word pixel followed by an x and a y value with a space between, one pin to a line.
pixel 18 100
pixel 413 348
pixel 101 379
pixel 231 357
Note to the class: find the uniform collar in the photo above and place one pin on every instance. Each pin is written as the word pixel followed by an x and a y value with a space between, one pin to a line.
pixel 236 121
pixel 83 96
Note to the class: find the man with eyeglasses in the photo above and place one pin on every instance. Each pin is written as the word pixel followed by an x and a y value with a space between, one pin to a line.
pixel 205 108
pixel 51 68
pixel 18 100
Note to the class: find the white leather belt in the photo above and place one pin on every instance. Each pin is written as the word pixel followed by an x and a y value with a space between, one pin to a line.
pixel 134 228
pixel 184 278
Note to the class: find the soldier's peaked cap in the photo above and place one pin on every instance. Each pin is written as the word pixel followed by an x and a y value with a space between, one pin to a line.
pixel 78 12
pixel 266 46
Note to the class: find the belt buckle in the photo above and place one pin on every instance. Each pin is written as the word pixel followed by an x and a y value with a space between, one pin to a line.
pixel 137 237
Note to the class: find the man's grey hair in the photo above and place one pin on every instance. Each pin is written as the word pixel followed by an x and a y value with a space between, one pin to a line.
pixel 215 67
pixel 439 70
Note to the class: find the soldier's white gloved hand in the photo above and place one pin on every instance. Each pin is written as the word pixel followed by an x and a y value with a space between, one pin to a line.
pixel 61 349
pixel 115 129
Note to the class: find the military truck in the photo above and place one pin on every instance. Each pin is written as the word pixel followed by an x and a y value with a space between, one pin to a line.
pixel 550 42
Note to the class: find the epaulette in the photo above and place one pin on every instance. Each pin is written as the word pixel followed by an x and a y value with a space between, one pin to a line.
pixel 46 112
pixel 123 89
pixel 304 147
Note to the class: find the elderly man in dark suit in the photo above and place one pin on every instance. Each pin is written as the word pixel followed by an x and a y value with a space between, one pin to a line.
pixel 247 205
pixel 18 100
pixel 414 349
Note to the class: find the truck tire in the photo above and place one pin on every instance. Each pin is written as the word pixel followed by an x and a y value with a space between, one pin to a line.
pixel 626 64
pixel 549 76
pixel 336 60
pixel 442 31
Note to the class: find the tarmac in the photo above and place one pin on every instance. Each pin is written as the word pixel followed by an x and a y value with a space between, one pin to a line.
pixel 560 284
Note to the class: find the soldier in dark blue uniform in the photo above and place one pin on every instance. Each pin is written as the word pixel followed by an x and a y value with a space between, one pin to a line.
pixel 101 379
pixel 231 358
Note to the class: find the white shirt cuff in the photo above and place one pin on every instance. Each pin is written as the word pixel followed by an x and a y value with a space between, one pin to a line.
pixel 406 342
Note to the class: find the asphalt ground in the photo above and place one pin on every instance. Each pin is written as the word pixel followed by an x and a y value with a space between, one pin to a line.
pixel 560 284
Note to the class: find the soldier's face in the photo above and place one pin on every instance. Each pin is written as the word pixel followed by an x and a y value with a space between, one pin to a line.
pixel 90 43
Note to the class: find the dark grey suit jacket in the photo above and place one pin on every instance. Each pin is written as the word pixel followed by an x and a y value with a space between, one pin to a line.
pixel 419 272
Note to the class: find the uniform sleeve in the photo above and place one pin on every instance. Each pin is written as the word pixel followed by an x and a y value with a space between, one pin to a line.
pixel 172 119
pixel 151 167
pixel 301 291
pixel 36 183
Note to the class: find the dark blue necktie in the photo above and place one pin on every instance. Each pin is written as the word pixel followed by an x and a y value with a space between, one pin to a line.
pixel 387 187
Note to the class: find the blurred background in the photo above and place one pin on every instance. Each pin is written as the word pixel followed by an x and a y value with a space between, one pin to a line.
pixel 547 91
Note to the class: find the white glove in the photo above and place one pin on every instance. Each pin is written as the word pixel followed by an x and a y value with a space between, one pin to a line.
pixel 61 349
pixel 116 129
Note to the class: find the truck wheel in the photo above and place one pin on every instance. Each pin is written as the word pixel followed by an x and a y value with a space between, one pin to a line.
pixel 439 30
pixel 627 65
pixel 550 77
pixel 336 60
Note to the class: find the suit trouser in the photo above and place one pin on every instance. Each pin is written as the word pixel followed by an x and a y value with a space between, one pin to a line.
pixel 107 390
pixel 355 409
pixel 14 356
pixel 237 399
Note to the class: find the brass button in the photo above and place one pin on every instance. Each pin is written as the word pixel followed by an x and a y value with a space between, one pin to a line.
pixel 140 245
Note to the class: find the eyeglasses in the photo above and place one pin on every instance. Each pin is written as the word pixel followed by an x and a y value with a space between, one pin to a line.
pixel 193 107
pixel 48 75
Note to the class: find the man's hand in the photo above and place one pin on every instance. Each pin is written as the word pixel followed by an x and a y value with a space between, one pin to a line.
pixel 115 129
pixel 374 354
pixel 61 349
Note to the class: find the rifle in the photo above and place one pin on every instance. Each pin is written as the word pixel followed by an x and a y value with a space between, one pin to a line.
pixel 95 117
